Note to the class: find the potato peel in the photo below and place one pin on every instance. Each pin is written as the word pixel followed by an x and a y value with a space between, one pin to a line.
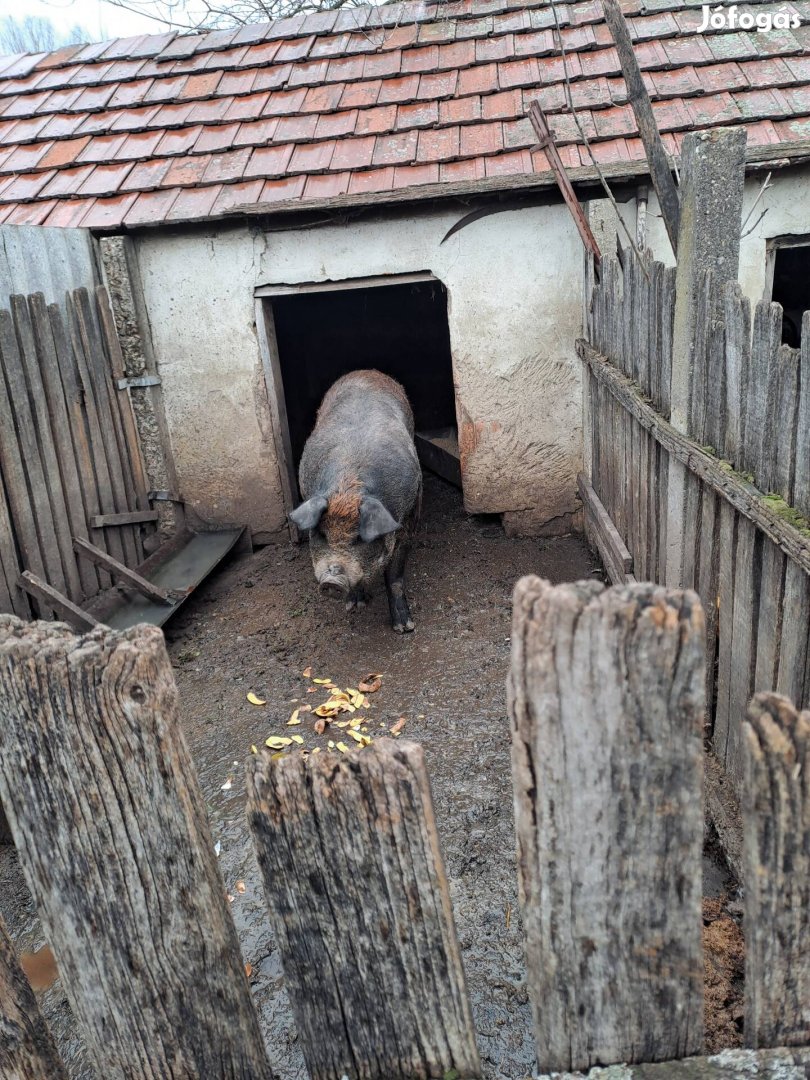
pixel 254 699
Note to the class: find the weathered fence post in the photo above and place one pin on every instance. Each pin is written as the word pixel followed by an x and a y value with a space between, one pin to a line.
pixel 110 827
pixel 776 831
pixel 354 877
pixel 711 192
pixel 27 1049
pixel 606 708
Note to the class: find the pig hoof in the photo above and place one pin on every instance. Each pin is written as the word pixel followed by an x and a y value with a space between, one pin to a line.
pixel 404 628
pixel 355 605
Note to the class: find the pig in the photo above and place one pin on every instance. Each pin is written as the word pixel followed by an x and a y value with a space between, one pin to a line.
pixel 362 488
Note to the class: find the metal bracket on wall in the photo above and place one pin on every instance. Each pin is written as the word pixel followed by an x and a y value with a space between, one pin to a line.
pixel 164 496
pixel 139 380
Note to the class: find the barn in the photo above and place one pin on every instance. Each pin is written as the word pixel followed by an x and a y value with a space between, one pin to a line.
pixel 282 203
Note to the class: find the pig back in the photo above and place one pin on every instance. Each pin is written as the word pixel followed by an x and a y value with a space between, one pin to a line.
pixel 363 436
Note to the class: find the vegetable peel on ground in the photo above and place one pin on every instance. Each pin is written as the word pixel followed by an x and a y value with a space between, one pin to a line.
pixel 254 699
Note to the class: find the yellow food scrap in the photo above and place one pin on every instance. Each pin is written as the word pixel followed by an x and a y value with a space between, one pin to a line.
pixel 342 747
pixel 316 749
pixel 294 719
pixel 331 745
pixel 254 700
pixel 366 740
pixel 297 739
pixel 398 726
pixel 254 750
pixel 276 742
pixel 322 682
pixel 307 672
pixel 356 736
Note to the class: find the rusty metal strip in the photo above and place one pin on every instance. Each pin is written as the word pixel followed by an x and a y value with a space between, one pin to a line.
pixel 545 141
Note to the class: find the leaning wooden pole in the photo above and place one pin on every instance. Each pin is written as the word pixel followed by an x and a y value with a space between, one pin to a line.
pixel 112 836
pixel 660 169
pixel 606 707
pixel 27 1049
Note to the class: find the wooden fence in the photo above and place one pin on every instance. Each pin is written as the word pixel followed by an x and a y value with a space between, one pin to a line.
pixel 736 530
pixel 72 490
pixel 606 703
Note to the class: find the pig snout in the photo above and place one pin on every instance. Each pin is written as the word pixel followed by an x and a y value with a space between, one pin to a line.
pixel 334 582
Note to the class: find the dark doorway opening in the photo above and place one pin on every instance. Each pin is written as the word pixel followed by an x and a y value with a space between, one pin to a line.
pixel 400 329
pixel 791 289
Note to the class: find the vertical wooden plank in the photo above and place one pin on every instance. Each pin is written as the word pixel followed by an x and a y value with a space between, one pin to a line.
pixel 79 435
pixel 785 422
pixel 605 698
pixel 121 402
pixel 727 561
pixel 707 581
pixel 757 450
pixel 773 630
pixel 737 313
pixel 801 482
pixel 13 600
pixel 776 828
pixel 27 1049
pixel 28 490
pixel 106 500
pixel 794 646
pixel 130 898
pixel 743 646
pixel 375 978
pixel 667 325
pixel 715 430
pixel 109 423
pixel 54 401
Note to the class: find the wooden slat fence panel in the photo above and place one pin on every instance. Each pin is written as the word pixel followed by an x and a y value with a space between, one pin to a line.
pixel 749 406
pixel 69 451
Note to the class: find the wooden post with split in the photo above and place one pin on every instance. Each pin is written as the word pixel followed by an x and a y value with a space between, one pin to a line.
pixel 111 833
pixel 712 181
pixel 354 877
pixel 660 169
pixel 27 1049
pixel 776 833
pixel 606 702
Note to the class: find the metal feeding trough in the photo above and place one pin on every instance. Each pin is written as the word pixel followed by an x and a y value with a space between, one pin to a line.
pixel 438 451
pixel 167 579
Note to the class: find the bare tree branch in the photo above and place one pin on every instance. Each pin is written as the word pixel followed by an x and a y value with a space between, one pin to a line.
pixel 34 33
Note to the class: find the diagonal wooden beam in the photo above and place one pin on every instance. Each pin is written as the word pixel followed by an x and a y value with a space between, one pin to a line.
pixel 545 141
pixel 121 572
pixel 660 171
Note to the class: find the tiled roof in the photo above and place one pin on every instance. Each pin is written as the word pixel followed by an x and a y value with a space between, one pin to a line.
pixel 361 101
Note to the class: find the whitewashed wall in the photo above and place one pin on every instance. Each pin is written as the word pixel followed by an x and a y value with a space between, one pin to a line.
pixel 514 283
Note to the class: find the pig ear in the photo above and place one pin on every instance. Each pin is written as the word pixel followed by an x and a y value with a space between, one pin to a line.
pixel 308 514
pixel 375 520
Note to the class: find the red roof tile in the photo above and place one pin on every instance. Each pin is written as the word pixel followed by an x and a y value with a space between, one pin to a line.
pixel 363 100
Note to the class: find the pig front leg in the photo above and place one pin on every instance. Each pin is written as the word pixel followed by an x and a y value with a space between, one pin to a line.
pixel 401 620
pixel 357 599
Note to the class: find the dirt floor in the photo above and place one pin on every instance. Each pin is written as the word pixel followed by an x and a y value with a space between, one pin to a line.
pixel 255 626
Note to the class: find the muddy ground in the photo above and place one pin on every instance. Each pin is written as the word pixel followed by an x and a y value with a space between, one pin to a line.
pixel 255 626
